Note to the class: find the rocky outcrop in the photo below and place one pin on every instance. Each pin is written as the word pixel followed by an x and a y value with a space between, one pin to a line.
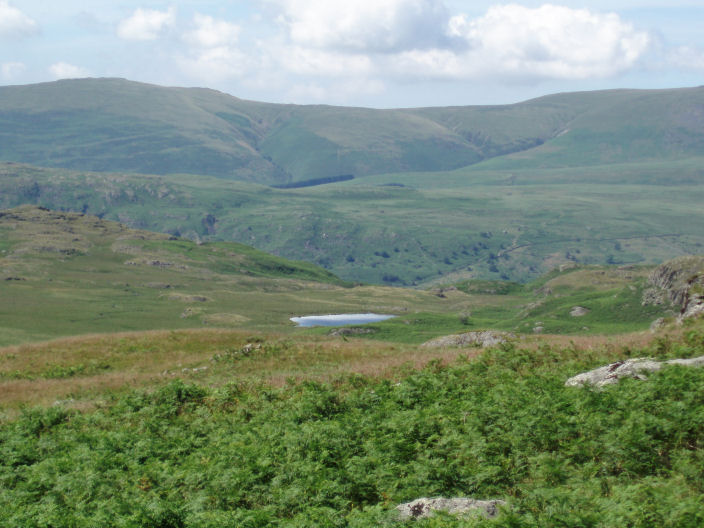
pixel 470 339
pixel 578 311
pixel 630 368
pixel 347 331
pixel 424 507
pixel 679 283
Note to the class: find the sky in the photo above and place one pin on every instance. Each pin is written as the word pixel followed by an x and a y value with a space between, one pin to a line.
pixel 373 53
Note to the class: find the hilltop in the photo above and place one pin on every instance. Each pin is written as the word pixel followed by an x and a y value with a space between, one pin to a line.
pixel 120 125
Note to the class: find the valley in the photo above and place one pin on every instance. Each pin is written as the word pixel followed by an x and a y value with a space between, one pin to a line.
pixel 156 242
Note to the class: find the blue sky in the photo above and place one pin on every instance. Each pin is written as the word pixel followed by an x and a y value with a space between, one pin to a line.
pixel 378 53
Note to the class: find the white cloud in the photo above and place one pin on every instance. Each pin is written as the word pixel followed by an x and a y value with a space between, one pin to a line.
pixel 213 55
pixel 315 62
pixel 146 24
pixel 418 39
pixel 336 92
pixel 9 71
pixel 216 64
pixel 384 26
pixel 548 42
pixel 210 32
pixel 14 23
pixel 64 70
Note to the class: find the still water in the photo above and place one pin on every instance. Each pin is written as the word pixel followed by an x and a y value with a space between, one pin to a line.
pixel 340 319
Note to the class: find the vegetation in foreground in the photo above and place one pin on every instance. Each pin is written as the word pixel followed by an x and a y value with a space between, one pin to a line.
pixel 344 453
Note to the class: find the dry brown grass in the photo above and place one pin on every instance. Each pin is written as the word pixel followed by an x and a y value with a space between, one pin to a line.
pixel 590 342
pixel 116 362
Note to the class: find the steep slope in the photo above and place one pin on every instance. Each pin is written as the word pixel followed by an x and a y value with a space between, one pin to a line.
pixel 618 126
pixel 112 124
pixel 119 125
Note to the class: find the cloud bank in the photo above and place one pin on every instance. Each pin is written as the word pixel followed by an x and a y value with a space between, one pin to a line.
pixel 367 26
pixel 64 70
pixel 419 38
pixel 319 50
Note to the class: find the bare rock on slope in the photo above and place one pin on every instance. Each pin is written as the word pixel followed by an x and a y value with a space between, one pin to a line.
pixel 680 283
pixel 424 507
pixel 630 368
pixel 578 311
pixel 476 339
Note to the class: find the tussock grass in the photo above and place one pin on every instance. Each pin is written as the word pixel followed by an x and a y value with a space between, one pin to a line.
pixel 87 369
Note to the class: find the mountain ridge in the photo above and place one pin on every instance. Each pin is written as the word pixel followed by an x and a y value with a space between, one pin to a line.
pixel 119 125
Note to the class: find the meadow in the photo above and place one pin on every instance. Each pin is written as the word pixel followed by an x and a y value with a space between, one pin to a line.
pixel 78 274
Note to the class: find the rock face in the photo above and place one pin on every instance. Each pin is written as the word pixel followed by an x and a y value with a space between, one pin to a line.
pixel 680 283
pixel 468 339
pixel 424 507
pixel 578 311
pixel 630 368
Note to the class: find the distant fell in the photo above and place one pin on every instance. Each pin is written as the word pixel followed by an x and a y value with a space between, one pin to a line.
pixel 120 125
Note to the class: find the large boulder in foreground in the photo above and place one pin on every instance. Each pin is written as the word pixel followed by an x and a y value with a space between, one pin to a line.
pixel 424 507
pixel 630 368
pixel 470 339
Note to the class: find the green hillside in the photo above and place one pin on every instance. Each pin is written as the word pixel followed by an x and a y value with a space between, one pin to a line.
pixel 118 125
pixel 437 227
pixel 65 274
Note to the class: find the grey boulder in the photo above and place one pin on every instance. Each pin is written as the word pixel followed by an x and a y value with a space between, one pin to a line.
pixel 425 507
pixel 630 368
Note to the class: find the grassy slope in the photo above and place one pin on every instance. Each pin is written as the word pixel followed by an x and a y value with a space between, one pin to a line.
pixel 617 127
pixel 67 274
pixel 469 223
pixel 110 124
pixel 118 125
